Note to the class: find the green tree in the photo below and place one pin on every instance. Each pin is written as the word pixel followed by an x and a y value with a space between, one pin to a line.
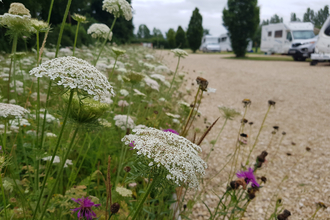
pixel 143 32
pixel 294 17
pixel 195 30
pixel 317 18
pixel 206 32
pixel 170 35
pixel 275 19
pixel 309 16
pixel 180 38
pixel 241 18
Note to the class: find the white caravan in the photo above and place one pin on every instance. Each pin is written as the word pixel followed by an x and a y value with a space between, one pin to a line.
pixel 210 44
pixel 225 43
pixel 322 48
pixel 294 38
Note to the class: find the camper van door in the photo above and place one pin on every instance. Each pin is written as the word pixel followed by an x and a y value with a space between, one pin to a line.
pixel 287 42
pixel 279 40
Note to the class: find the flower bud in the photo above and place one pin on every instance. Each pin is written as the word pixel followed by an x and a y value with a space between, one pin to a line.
pixel 114 208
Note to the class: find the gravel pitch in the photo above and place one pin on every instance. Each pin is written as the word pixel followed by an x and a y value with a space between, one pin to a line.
pixel 302 96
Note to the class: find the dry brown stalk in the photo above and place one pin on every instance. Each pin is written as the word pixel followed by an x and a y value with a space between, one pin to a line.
pixel 108 187
pixel 206 132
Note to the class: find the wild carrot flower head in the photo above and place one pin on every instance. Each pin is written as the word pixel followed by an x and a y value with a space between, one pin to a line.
pixel 74 73
pixel 179 53
pixel 39 26
pixel 98 30
pixel 85 209
pixel 79 18
pixel 17 24
pixel 118 8
pixel 12 111
pixel 18 9
pixel 228 113
pixel 248 177
pixel 121 121
pixel 174 153
pixel 118 51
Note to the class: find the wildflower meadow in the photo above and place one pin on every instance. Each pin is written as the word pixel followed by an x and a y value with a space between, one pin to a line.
pixel 107 132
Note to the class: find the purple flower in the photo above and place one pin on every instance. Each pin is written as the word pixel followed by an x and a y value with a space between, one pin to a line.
pixel 171 130
pixel 85 209
pixel 248 177
pixel 132 145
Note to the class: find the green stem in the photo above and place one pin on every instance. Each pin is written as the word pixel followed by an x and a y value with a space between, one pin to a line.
pixel 62 27
pixel 194 114
pixel 3 196
pixel 50 11
pixel 13 52
pixel 223 126
pixel 256 141
pixel 53 156
pixel 113 68
pixel 38 118
pixel 190 113
pixel 176 70
pixel 4 138
pixel 145 196
pixel 75 39
pixel 59 173
pixel 105 41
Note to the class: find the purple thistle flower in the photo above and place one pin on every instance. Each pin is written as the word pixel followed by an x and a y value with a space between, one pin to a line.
pixel 248 177
pixel 85 209
pixel 171 130
pixel 132 145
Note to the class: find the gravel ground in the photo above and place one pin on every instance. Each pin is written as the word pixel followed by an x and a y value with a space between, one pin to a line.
pixel 302 108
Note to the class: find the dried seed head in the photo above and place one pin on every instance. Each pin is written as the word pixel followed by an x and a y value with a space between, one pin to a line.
pixel 234 185
pixel 246 102
pixel 271 103
pixel 279 201
pixel 273 132
pixel 127 169
pixel 203 83
pixel 308 148
pixel 263 179
pixel 250 123
pixel 287 212
pixel 244 135
pixel 289 154
pixel 283 133
pixel 156 112
pixel 321 205
pixel 244 121
pixel 114 208
pixel 252 192
pixel 276 127
pixel 293 143
pixel 184 206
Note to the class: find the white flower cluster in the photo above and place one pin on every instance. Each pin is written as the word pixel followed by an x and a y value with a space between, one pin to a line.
pixel 179 53
pixel 152 83
pixel 9 110
pixel 79 18
pixel 118 8
pixel 98 30
pixel 58 160
pixel 16 22
pixel 72 72
pixel 121 122
pixel 18 9
pixel 124 192
pixel 177 154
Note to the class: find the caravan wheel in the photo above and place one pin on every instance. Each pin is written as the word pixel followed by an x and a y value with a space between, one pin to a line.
pixel 313 62
pixel 299 58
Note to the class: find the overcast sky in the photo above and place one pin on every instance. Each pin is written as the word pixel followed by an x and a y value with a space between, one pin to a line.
pixel 166 14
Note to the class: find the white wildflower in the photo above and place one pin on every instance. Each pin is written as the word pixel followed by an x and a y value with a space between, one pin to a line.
pixel 137 92
pixel 118 51
pixel 177 154
pixel 98 30
pixel 141 127
pixel 121 122
pixel 104 122
pixel 132 185
pixel 56 159
pixel 124 92
pixel 49 134
pixel 31 132
pixel 17 23
pixel 162 69
pixel 122 70
pixel 172 115
pixel 149 57
pixel 12 111
pixel 162 99
pixel 7 186
pixel 150 164
pixel 75 73
pixel 123 103
pixel 39 26
pixel 123 191
pixel 118 8
pixel 152 83
pixel 149 66
pixel 79 18
pixel 67 163
pixel 18 9
pixel 19 122
pixel 179 53
pixel 158 76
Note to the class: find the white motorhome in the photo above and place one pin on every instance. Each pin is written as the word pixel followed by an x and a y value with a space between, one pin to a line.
pixel 210 44
pixel 322 48
pixel 225 43
pixel 294 38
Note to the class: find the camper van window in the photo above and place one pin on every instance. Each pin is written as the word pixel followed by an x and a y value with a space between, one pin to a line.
pixel 269 34
pixel 278 34
pixel 327 31
pixel 223 39
pixel 219 40
pixel 300 35
pixel 289 36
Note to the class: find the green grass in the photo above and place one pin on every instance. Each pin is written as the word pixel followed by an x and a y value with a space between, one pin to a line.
pixel 264 58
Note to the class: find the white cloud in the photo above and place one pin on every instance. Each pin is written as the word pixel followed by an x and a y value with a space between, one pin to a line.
pixel 166 14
